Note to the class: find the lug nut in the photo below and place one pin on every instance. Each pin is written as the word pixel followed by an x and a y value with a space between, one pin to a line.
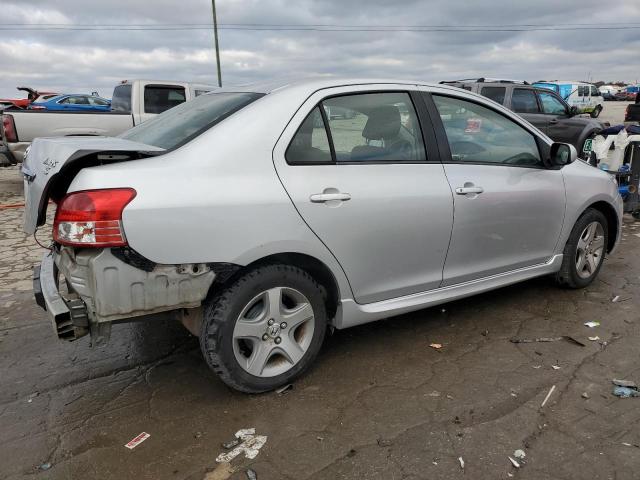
pixel 278 340
pixel 283 325
pixel 265 337
pixel 271 321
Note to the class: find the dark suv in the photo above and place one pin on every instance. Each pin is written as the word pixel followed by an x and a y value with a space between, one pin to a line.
pixel 540 107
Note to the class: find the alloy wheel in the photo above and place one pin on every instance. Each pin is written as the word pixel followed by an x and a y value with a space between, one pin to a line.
pixel 590 250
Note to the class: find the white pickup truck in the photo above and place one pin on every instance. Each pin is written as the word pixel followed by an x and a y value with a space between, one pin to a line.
pixel 132 103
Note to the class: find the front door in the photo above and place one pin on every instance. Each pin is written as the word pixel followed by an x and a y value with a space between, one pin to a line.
pixel 363 181
pixel 561 127
pixel 508 208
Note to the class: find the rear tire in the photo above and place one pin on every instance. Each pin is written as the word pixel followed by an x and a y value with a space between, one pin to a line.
pixel 265 329
pixel 596 112
pixel 585 251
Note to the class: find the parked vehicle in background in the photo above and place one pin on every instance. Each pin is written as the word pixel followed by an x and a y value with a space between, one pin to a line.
pixel 632 113
pixel 73 103
pixel 584 96
pixel 32 96
pixel 355 216
pixel 132 103
pixel 539 106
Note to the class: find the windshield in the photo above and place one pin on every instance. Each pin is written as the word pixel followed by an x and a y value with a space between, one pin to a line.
pixel 180 124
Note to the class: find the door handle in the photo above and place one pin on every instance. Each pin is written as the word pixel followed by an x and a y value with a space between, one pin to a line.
pixel 468 190
pixel 327 197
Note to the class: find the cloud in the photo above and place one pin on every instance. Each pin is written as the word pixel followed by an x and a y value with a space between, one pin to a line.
pixel 83 61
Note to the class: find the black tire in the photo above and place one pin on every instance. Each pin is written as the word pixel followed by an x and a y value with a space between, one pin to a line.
pixel 568 275
pixel 221 312
pixel 596 112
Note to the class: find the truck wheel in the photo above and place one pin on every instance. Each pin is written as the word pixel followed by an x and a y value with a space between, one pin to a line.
pixel 265 329
pixel 585 251
pixel 596 111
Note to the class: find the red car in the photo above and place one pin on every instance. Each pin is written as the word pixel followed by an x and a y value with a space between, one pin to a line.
pixel 32 96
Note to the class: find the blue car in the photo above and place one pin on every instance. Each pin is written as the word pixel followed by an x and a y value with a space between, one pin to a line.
pixel 74 103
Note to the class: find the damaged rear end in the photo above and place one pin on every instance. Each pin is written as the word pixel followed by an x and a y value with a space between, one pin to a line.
pixel 90 277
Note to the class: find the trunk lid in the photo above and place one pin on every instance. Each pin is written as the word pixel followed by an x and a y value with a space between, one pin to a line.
pixel 47 159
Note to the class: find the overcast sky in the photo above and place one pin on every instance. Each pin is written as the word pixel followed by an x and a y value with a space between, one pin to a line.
pixel 86 60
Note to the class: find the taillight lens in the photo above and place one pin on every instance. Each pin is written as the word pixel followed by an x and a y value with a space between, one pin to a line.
pixel 92 218
pixel 9 128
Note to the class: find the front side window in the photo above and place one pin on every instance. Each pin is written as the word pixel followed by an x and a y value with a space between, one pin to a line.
pixel 551 104
pixel 374 127
pixel 177 126
pixel 523 100
pixel 494 93
pixel 98 101
pixel 159 98
pixel 121 100
pixel 310 145
pixel 477 134
pixel 594 91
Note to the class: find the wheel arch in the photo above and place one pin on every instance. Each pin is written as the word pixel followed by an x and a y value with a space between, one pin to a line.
pixel 612 221
pixel 314 267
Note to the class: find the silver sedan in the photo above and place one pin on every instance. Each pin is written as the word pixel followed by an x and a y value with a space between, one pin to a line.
pixel 262 215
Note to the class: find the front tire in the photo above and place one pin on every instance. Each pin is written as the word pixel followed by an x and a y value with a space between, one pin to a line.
pixel 265 329
pixel 596 112
pixel 585 251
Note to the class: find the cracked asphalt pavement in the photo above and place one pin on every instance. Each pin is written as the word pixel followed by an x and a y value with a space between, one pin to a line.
pixel 380 403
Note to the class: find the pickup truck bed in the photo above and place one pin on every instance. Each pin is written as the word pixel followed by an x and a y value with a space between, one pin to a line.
pixel 30 124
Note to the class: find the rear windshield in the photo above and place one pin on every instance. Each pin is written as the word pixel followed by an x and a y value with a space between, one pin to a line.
pixel 177 126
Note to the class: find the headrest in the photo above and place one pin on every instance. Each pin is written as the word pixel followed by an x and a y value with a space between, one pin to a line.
pixel 383 123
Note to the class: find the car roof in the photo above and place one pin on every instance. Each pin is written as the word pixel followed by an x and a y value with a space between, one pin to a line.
pixel 313 84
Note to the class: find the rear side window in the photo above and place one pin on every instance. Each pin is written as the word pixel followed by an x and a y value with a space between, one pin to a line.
pixel 477 134
pixel 310 145
pixel 374 127
pixel 177 126
pixel 494 93
pixel 523 100
pixel 159 98
pixel 121 101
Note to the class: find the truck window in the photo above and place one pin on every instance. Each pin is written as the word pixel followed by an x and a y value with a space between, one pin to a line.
pixel 177 126
pixel 159 98
pixel 121 100
pixel 494 93
pixel 594 91
pixel 523 100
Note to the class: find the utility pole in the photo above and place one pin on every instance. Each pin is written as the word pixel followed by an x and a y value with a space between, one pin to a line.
pixel 215 38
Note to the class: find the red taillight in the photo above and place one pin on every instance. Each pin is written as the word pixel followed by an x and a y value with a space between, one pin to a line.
pixel 9 128
pixel 92 218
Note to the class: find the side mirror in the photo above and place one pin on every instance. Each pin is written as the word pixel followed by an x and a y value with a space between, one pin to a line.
pixel 573 111
pixel 562 154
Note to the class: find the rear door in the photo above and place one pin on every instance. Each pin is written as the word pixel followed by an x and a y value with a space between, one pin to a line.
pixel 525 103
pixel 370 185
pixel 508 208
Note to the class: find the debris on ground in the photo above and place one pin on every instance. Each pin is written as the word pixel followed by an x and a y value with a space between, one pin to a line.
pixel 625 392
pixel 484 333
pixel 320 439
pixel 592 324
pixel 383 442
pixel 284 389
pixel 546 399
pixel 134 442
pixel 514 462
pixel 537 366
pixel 222 472
pixel 547 339
pixel 251 474
pixel 44 466
pixel 594 339
pixel 437 346
pixel 519 454
pixel 585 395
pixel 231 444
pixel 250 446
pixel 624 383
pixel 461 462
pixel 556 367
pixel 615 299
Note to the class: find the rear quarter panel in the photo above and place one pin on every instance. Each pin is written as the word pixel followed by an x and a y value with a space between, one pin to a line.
pixel 33 124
